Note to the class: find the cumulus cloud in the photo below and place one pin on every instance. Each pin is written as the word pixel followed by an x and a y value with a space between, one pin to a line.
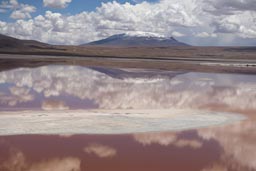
pixel 23 12
pixel 19 11
pixel 242 24
pixel 56 3
pixel 166 17
pixel 205 35
pixel 177 34
pixel 11 4
pixel 226 7
pixel 110 18
pixel 101 151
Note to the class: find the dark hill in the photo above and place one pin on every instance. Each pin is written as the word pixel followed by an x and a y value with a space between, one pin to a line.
pixel 137 40
pixel 10 42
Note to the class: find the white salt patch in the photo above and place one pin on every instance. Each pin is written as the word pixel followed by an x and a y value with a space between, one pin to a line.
pixel 109 121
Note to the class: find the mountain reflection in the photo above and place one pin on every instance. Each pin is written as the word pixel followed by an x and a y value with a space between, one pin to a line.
pixel 228 147
pixel 74 87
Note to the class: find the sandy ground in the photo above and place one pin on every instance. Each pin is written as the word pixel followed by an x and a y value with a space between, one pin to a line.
pixel 109 121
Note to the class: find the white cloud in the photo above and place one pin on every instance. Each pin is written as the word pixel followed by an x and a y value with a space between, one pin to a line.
pixel 227 7
pixel 23 12
pixel 14 2
pixel 11 4
pixel 19 11
pixel 56 3
pixel 242 24
pixel 205 35
pixel 110 18
pixel 2 24
pixel 166 17
pixel 177 34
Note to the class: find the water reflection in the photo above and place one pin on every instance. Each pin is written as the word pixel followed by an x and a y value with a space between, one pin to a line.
pixel 221 148
pixel 238 142
pixel 95 152
pixel 166 139
pixel 229 148
pixel 73 87
pixel 99 150
pixel 18 162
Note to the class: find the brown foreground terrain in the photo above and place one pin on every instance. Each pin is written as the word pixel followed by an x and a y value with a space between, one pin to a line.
pixel 16 53
pixel 202 59
pixel 134 52
pixel 29 53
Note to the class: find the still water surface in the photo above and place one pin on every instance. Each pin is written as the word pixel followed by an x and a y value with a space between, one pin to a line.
pixel 227 146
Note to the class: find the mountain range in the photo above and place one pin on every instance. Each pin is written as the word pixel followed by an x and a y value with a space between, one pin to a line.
pixel 119 40
pixel 137 39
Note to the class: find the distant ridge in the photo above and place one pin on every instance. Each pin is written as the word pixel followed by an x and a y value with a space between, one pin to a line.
pixel 10 42
pixel 137 39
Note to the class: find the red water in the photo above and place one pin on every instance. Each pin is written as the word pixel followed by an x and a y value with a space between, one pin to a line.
pixel 222 148
pixel 227 148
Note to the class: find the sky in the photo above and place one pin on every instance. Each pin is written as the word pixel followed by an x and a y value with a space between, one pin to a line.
pixel 74 22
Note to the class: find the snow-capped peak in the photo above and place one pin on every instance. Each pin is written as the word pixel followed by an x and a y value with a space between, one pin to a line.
pixel 144 34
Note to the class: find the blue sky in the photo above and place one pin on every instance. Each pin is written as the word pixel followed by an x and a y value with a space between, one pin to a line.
pixel 197 22
pixel 77 6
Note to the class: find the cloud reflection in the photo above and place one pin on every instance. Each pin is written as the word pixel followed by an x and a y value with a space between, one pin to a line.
pixel 54 105
pixel 101 151
pixel 17 162
pixel 57 164
pixel 238 142
pixel 166 139
pixel 191 90
pixel 216 167
pixel 16 95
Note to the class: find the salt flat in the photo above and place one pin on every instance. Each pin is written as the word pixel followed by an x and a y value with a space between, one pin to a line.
pixel 109 121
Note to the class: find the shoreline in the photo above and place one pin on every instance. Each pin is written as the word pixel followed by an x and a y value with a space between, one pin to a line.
pixel 211 65
pixel 108 123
